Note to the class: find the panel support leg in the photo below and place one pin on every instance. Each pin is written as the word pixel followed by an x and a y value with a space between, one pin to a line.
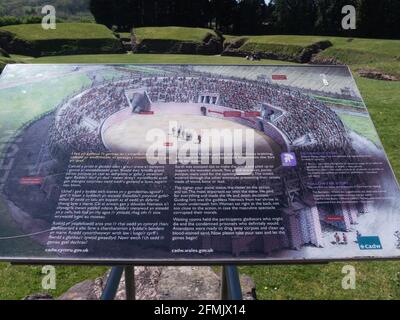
pixel 230 284
pixel 130 283
pixel 112 284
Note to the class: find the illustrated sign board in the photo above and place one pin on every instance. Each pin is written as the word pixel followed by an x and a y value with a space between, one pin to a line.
pixel 191 164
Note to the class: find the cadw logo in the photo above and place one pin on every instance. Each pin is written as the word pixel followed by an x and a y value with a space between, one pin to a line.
pixel 370 243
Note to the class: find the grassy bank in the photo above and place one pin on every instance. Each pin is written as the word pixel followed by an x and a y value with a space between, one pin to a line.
pixel 67 38
pixel 88 38
pixel 174 40
pixel 374 54
pixel 174 33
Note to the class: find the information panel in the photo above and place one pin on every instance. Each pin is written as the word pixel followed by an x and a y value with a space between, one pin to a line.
pixel 184 164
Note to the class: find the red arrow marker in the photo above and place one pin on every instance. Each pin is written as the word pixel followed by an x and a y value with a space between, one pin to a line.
pixel 279 77
pixel 218 112
pixel 31 181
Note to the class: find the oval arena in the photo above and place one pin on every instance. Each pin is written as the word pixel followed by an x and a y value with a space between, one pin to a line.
pixel 278 114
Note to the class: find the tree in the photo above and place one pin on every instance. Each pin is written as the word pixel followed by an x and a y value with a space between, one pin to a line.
pixel 200 13
pixel 295 16
pixel 379 18
pixel 128 13
pixel 103 11
pixel 222 13
pixel 330 16
pixel 375 18
pixel 250 16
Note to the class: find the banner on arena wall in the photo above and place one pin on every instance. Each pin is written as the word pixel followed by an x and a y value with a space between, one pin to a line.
pixel 177 164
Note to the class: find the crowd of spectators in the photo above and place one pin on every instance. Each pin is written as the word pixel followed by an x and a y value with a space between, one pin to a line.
pixel 302 115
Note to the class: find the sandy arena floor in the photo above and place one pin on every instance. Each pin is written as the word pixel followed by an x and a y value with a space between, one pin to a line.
pixel 131 133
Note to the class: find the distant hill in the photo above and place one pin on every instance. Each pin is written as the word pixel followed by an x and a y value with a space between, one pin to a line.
pixel 66 9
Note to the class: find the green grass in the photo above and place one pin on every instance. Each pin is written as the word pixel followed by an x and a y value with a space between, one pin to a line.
pixel 375 54
pixel 362 126
pixel 67 38
pixel 176 40
pixel 66 31
pixel 382 99
pixel 375 47
pixel 301 41
pixel 150 58
pixel 343 102
pixel 34 99
pixel 288 46
pixel 182 34
pixel 19 281
pixel 173 33
pixel 365 60
pixel 124 34
pixel 376 280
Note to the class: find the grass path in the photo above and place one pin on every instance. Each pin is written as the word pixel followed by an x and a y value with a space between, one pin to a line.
pixel 148 58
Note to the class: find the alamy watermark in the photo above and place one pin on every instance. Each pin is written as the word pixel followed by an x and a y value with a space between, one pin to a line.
pixel 49 21
pixel 349 280
pixel 49 281
pixel 349 21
